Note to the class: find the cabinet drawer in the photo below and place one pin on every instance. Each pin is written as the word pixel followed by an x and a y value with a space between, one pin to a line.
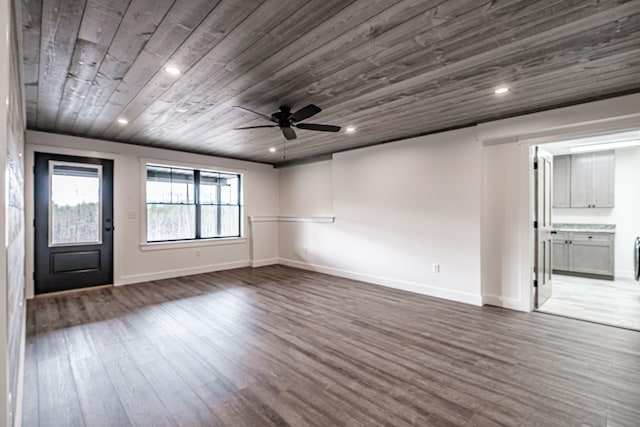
pixel 595 238
pixel 560 236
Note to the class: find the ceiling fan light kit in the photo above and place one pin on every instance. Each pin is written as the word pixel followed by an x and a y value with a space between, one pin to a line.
pixel 286 120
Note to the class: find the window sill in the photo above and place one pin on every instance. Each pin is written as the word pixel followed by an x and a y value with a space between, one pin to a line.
pixel 163 246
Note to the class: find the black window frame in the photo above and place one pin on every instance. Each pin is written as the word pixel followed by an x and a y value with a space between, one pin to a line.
pixel 197 203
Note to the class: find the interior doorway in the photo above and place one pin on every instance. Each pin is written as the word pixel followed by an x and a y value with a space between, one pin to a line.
pixel 73 244
pixel 595 229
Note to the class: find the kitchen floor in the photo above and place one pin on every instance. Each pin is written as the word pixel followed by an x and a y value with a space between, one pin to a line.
pixel 615 303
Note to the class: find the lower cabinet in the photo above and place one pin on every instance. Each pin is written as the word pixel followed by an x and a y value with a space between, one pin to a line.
pixel 581 253
pixel 560 251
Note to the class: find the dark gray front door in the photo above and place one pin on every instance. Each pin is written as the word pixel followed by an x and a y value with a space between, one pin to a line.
pixel 73 222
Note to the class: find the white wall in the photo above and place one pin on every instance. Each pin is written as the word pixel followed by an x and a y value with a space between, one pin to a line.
pixel 462 199
pixel 399 208
pixel 507 235
pixel 12 249
pixel 135 262
pixel 5 50
pixel 625 214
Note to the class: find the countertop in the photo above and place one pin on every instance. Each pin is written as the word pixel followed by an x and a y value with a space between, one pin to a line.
pixel 586 228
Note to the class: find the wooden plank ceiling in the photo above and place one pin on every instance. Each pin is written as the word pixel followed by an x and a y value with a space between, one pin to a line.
pixel 390 68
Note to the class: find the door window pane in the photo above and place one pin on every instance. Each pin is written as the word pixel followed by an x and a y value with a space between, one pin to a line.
pixel 75 203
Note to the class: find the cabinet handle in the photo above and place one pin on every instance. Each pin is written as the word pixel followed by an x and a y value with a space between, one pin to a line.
pixel 591 237
pixel 566 242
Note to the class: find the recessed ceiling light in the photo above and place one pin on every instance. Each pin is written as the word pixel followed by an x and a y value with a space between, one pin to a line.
pixel 350 129
pixel 172 70
pixel 501 90
pixel 182 110
pixel 272 149
pixel 123 121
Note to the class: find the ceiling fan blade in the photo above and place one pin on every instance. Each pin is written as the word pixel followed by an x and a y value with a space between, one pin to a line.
pixel 246 110
pixel 256 127
pixel 288 133
pixel 305 112
pixel 321 128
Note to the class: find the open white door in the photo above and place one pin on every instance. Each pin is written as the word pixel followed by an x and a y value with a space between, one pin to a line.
pixel 543 171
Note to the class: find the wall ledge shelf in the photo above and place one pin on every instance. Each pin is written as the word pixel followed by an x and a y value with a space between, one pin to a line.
pixel 315 219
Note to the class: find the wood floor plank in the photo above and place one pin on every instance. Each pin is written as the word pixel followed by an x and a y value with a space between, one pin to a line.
pixel 57 395
pixel 180 400
pixel 281 346
pixel 141 403
pixel 101 405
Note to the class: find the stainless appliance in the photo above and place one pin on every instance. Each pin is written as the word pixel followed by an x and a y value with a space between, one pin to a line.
pixel 636 257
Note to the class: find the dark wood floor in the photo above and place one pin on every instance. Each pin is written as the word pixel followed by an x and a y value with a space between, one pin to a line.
pixel 280 346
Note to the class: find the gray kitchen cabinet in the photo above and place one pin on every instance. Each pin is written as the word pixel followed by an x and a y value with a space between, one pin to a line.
pixel 580 180
pixel 583 253
pixel 603 179
pixel 562 182
pixel 592 180
pixel 560 251
pixel 591 253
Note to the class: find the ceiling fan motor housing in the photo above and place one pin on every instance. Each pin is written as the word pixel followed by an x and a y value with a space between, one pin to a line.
pixel 282 116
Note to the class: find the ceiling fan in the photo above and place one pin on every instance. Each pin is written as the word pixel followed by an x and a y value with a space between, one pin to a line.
pixel 286 120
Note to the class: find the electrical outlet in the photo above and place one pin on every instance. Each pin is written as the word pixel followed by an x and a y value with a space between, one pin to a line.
pixel 436 268
pixel 305 250
pixel 198 252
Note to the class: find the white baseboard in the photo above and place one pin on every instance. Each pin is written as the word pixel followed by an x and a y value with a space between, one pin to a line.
pixel 625 274
pixel 17 417
pixel 510 303
pixel 418 288
pixel 168 274
pixel 264 262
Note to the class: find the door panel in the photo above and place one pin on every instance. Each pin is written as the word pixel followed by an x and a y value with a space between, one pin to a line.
pixel 543 220
pixel 73 222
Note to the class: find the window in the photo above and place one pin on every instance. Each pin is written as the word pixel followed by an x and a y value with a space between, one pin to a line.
pixel 75 204
pixel 189 204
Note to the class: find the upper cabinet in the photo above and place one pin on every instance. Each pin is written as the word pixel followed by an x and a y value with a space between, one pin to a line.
pixel 562 182
pixel 584 180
